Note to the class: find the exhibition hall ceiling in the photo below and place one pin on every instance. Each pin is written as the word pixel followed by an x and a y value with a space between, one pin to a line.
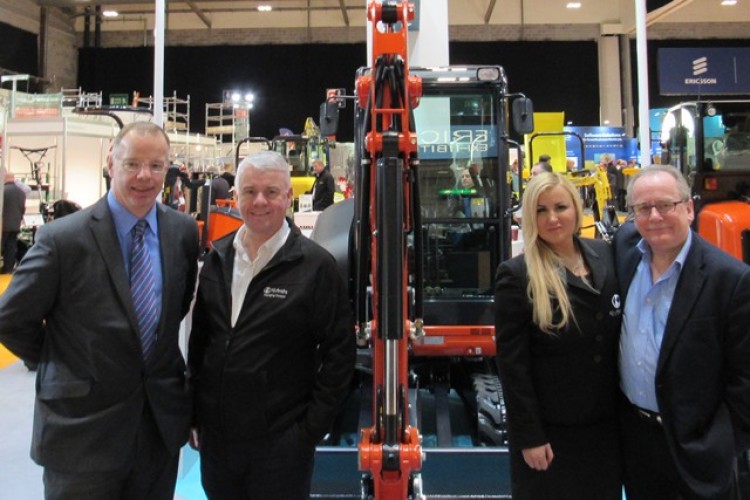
pixel 614 16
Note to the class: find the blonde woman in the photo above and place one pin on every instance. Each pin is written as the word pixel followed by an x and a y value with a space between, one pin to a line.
pixel 557 326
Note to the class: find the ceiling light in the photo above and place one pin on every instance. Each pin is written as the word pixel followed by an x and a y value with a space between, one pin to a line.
pixel 728 2
pixel 110 13
pixel 264 8
pixel 573 5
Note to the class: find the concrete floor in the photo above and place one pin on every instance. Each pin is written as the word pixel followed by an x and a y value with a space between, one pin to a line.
pixel 20 477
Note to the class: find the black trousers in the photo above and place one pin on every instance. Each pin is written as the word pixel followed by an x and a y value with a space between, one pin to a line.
pixel 151 473
pixel 648 470
pixel 9 249
pixel 277 467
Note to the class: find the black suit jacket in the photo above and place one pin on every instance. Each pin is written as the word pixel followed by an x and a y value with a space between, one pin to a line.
pixel 703 371
pixel 566 379
pixel 68 308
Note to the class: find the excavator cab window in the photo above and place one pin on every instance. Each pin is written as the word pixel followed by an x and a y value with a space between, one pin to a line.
pixel 678 137
pixel 727 136
pixel 457 178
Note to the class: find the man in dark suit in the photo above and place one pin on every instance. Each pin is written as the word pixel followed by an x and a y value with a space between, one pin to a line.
pixel 112 407
pixel 684 349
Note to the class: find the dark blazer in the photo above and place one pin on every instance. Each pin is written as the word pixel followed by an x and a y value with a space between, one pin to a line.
pixel 68 308
pixel 565 379
pixel 703 371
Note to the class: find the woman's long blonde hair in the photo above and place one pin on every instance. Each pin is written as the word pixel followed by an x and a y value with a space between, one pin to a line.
pixel 545 270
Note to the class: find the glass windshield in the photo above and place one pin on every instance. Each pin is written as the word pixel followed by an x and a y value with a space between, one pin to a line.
pixel 678 137
pixel 457 177
pixel 727 136
pixel 294 149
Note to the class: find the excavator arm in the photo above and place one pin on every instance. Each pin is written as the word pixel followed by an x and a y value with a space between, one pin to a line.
pixel 390 450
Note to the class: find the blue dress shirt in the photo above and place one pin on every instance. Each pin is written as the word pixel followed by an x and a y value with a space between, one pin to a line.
pixel 645 316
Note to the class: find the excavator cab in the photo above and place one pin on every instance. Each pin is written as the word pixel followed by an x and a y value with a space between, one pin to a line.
pixel 457 230
pixel 709 141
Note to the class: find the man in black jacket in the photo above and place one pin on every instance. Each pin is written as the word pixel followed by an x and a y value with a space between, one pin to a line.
pixel 324 187
pixel 684 349
pixel 272 347
pixel 14 206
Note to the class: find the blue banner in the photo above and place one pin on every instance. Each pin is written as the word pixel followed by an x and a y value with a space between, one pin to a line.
pixel 598 141
pixel 704 71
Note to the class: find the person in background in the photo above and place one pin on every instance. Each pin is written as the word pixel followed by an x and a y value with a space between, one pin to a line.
pixel 14 206
pixel 557 324
pixel 460 202
pixel 228 175
pixel 61 208
pixel 620 192
pixel 220 190
pixel 540 168
pixel 176 188
pixel 272 349
pixel 515 177
pixel 546 160
pixel 97 303
pixel 467 180
pixel 323 188
pixel 684 348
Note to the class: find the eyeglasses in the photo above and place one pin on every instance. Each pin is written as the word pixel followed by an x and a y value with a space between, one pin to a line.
pixel 663 207
pixel 133 166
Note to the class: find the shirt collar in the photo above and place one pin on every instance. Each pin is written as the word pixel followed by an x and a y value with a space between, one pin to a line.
pixel 124 220
pixel 679 260
pixel 272 244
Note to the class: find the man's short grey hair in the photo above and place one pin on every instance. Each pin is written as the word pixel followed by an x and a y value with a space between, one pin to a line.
pixel 264 161
pixel 682 185
pixel 139 129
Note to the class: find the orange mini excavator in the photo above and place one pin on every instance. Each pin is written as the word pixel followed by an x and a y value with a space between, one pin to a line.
pixel 390 450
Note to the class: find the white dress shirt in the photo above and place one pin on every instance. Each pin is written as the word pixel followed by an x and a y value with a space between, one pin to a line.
pixel 245 269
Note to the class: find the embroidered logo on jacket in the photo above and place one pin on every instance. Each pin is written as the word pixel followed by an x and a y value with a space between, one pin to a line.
pixel 616 311
pixel 275 293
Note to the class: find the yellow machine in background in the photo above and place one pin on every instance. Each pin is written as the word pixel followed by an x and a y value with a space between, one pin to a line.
pixel 547 138
pixel 300 151
pixel 605 221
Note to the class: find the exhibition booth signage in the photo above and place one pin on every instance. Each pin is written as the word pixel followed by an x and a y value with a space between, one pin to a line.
pixel 704 71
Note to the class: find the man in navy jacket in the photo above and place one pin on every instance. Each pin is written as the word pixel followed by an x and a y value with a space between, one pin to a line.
pixel 684 349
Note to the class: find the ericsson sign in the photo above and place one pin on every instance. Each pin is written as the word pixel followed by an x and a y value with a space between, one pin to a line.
pixel 704 71
pixel 700 66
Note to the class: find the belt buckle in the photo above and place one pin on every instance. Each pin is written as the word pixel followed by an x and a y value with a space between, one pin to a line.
pixel 654 417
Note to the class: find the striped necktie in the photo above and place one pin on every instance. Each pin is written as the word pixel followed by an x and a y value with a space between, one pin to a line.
pixel 143 289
